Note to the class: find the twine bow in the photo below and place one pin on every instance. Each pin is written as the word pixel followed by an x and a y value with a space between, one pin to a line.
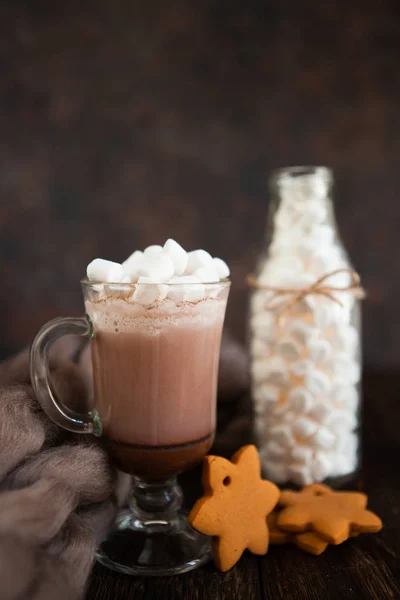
pixel 289 297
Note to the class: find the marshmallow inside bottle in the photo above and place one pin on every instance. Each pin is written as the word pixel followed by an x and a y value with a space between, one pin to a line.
pixel 306 364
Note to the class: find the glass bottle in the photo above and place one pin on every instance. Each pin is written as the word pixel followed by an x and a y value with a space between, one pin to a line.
pixel 305 342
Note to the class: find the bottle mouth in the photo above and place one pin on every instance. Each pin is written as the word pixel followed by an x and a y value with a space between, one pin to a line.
pixel 304 182
pixel 297 172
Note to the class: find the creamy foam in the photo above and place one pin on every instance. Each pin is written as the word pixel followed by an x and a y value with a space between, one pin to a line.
pixel 121 315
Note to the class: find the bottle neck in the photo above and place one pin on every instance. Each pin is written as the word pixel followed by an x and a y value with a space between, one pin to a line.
pixel 301 205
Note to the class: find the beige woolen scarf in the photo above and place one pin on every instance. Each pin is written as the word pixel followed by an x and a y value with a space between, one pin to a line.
pixel 58 492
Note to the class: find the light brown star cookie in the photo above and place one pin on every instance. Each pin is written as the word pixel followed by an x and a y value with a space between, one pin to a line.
pixel 332 515
pixel 309 541
pixel 235 506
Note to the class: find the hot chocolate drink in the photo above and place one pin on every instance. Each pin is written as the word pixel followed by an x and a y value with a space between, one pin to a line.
pixel 155 375
pixel 155 324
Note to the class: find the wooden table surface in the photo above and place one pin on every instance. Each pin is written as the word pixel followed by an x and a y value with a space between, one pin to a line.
pixel 362 568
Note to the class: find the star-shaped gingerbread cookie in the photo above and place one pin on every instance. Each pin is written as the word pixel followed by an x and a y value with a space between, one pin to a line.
pixel 332 515
pixel 308 541
pixel 235 506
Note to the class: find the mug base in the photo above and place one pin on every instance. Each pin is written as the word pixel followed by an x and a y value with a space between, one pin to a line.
pixel 153 547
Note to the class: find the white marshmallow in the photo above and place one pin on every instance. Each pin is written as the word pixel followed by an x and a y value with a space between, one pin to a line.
pixel 322 235
pixel 347 443
pixel 288 349
pixel 259 348
pixel 321 466
pixel 321 411
pixel 270 274
pixel 263 323
pixel 197 259
pixel 186 288
pixel 347 396
pixel 345 338
pixel 285 244
pixel 346 370
pixel 259 411
pixel 319 351
pixel 221 267
pixel 349 338
pixel 300 399
pixel 258 301
pixel 343 464
pixel 290 278
pixel 275 449
pixel 132 263
pixel 302 455
pixel 152 251
pixel 283 218
pixel 323 438
pixel 301 330
pixel 101 270
pixel 266 275
pixel 340 280
pixel 304 428
pixel 206 274
pixel 282 435
pixel 112 289
pixel 286 416
pixel 292 263
pixel 314 215
pixel 343 310
pixel 300 475
pixel 340 315
pixel 260 427
pixel 273 370
pixel 323 317
pixel 317 383
pixel 282 410
pixel 98 288
pixel 266 394
pixel 305 307
pixel 158 267
pixel 177 254
pixel 342 421
pixel 341 362
pixel 320 264
pixel 301 367
pixel 275 471
pixel 307 249
pixel 258 370
pixel 147 292
pixel 195 290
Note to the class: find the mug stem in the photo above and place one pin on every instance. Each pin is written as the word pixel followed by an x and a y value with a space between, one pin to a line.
pixel 150 500
pixel 152 536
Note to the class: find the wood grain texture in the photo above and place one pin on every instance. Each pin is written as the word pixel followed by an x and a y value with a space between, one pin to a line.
pixel 123 123
pixel 364 568
pixel 204 584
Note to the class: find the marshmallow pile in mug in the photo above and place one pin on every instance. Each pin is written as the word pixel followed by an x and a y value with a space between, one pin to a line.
pixel 161 268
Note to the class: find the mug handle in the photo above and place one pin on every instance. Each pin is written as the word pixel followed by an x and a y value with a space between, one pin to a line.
pixel 39 373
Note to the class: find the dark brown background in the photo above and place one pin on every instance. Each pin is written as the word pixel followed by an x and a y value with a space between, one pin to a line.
pixel 125 122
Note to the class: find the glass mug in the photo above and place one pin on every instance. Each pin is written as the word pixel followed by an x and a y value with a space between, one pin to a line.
pixel 155 372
